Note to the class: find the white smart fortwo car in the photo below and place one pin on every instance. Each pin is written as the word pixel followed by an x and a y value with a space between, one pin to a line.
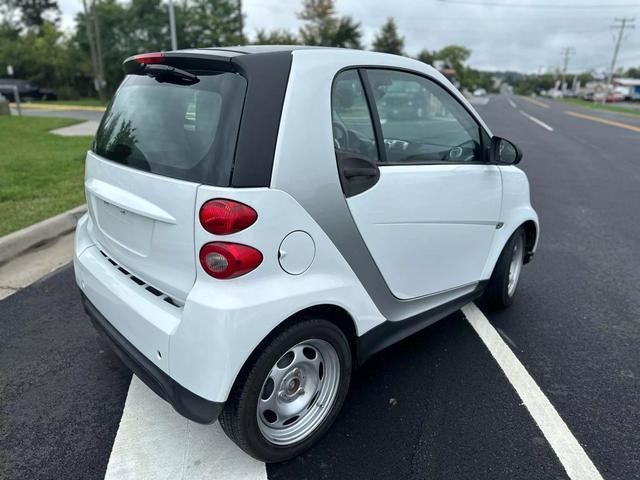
pixel 264 219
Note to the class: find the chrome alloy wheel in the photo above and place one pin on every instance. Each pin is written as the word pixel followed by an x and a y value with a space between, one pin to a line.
pixel 515 267
pixel 299 392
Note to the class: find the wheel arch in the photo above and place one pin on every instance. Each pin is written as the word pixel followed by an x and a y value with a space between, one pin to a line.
pixel 525 218
pixel 333 313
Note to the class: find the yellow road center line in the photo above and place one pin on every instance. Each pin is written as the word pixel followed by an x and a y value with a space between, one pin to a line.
pixel 535 102
pixel 633 128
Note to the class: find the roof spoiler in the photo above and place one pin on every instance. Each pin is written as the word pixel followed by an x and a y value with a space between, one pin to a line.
pixel 185 60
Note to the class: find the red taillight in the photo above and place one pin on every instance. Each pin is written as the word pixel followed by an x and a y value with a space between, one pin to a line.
pixel 228 260
pixel 222 217
pixel 148 58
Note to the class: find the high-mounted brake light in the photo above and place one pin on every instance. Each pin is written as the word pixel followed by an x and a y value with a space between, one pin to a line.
pixel 224 260
pixel 222 217
pixel 149 58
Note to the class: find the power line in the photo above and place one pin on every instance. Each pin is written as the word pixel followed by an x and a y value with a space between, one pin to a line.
pixel 540 5
pixel 619 24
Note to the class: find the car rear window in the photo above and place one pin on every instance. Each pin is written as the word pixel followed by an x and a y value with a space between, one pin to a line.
pixel 187 132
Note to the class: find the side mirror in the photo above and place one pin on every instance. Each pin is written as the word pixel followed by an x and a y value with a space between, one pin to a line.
pixel 504 152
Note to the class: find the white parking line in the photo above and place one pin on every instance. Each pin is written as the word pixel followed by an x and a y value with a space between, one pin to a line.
pixel 154 442
pixel 535 120
pixel 512 103
pixel 571 454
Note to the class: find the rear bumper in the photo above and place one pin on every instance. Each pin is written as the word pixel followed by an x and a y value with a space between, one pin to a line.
pixel 185 402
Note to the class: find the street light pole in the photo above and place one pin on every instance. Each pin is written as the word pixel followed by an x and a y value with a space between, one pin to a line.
pixel 172 27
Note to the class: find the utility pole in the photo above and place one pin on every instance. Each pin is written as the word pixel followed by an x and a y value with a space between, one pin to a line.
pixel 620 24
pixel 172 27
pixel 240 21
pixel 90 23
pixel 566 53
pixel 101 80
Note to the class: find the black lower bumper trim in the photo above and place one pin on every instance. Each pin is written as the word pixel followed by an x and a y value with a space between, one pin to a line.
pixel 185 402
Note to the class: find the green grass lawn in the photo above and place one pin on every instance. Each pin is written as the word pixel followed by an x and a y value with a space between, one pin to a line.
pixel 41 174
pixel 609 107
pixel 82 102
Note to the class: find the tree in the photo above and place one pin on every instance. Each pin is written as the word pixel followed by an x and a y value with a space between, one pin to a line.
pixel 209 23
pixel 8 16
pixel 454 56
pixel 33 11
pixel 324 27
pixel 426 56
pixel 388 40
pixel 275 37
pixel 41 56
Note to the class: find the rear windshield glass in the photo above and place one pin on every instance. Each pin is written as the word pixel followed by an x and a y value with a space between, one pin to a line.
pixel 187 132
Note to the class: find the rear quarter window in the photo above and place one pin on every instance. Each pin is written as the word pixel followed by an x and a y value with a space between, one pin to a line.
pixel 188 132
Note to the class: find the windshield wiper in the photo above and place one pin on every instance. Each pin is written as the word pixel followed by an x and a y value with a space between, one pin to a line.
pixel 167 74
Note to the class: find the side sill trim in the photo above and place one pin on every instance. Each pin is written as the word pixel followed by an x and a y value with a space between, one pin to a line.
pixel 390 332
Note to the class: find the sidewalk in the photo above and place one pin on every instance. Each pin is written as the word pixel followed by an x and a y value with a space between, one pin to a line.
pixel 29 267
pixel 87 128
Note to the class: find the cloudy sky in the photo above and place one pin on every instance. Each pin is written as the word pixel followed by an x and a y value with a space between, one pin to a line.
pixel 523 35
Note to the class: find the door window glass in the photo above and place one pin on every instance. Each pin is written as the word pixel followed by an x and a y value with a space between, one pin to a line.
pixel 421 122
pixel 352 124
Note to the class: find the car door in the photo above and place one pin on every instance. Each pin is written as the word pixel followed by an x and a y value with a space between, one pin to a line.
pixel 428 212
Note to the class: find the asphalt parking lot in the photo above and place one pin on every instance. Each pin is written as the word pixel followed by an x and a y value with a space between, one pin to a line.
pixel 437 405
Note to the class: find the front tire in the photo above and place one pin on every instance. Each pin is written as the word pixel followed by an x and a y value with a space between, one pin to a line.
pixel 291 393
pixel 504 280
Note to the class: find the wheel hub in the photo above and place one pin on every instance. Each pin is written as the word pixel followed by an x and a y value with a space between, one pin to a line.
pixel 292 385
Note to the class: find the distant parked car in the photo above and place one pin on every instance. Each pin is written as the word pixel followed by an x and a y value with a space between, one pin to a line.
pixel 27 90
pixel 403 106
pixel 479 92
pixel 612 97
pixel 554 94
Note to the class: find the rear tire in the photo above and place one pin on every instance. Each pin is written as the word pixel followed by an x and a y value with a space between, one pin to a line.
pixel 285 401
pixel 506 274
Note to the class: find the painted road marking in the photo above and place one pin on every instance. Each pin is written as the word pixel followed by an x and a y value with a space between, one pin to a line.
pixel 155 442
pixel 512 103
pixel 570 453
pixel 535 102
pixel 535 120
pixel 626 126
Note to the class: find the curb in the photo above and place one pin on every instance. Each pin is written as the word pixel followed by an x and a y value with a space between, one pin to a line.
pixel 18 242
pixel 60 108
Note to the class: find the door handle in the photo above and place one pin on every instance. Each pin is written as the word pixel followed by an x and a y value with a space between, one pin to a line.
pixel 357 173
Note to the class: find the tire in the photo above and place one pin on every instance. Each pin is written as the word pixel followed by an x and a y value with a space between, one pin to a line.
pixel 251 424
pixel 500 293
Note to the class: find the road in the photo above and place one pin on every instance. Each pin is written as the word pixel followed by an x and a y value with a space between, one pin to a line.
pixel 437 405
